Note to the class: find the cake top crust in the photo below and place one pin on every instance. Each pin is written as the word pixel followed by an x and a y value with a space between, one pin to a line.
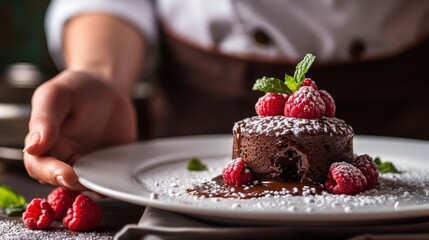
pixel 281 125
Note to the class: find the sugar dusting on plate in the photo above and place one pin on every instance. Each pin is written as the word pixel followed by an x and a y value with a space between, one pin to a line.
pixel 410 187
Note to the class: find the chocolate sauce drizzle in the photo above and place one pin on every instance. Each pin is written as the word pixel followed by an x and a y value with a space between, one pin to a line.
pixel 218 189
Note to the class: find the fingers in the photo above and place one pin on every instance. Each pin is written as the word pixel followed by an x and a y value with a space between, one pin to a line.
pixel 50 106
pixel 48 169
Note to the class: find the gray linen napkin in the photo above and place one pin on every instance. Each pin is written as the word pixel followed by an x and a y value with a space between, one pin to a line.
pixel 162 225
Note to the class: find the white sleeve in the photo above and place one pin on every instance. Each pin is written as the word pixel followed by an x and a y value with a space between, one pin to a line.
pixel 139 13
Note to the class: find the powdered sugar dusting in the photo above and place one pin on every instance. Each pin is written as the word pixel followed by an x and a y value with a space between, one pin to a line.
pixel 394 192
pixel 14 229
pixel 281 125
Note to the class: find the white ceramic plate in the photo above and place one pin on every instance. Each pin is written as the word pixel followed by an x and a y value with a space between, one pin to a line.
pixel 154 173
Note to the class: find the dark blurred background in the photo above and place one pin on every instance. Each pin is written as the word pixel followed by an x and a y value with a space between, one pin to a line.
pixel 25 63
pixel 22 36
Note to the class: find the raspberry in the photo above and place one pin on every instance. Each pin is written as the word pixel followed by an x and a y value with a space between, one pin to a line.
pixel 271 104
pixel 306 102
pixel 38 215
pixel 61 200
pixel 344 178
pixel 236 173
pixel 368 168
pixel 83 215
pixel 310 83
pixel 329 103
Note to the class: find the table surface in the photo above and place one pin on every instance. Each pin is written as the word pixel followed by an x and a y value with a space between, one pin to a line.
pixel 116 214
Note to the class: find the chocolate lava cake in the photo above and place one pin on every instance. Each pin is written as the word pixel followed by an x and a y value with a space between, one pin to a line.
pixel 292 149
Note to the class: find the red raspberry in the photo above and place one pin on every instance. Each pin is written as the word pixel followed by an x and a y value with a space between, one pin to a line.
pixel 236 173
pixel 83 215
pixel 368 168
pixel 61 200
pixel 306 102
pixel 271 104
pixel 344 178
pixel 38 215
pixel 310 83
pixel 329 103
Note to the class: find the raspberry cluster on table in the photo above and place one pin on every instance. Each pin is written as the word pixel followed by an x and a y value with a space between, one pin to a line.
pixel 306 109
pixel 77 211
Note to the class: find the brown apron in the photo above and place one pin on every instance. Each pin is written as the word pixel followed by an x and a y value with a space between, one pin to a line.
pixel 203 92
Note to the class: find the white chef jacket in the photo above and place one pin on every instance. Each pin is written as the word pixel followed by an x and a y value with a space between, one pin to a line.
pixel 326 28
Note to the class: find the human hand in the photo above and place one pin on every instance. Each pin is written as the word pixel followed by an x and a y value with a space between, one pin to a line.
pixel 74 114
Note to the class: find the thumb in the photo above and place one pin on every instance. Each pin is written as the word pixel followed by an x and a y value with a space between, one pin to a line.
pixel 50 105
pixel 42 136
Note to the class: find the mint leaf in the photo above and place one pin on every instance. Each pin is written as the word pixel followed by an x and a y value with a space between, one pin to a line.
pixel 377 161
pixel 302 68
pixel 14 211
pixel 385 167
pixel 9 198
pixel 272 85
pixel 291 83
pixel 195 164
pixel 12 202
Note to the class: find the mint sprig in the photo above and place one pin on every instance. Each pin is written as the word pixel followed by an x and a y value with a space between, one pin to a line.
pixel 290 84
pixel 272 85
pixel 303 67
pixel 195 164
pixel 384 166
pixel 11 202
